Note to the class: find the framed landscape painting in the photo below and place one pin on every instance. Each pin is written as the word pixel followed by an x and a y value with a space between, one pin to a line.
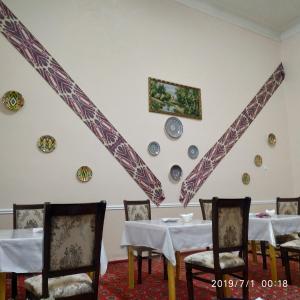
pixel 174 99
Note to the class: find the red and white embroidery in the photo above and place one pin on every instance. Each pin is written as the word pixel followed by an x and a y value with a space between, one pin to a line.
pixel 20 37
pixel 211 159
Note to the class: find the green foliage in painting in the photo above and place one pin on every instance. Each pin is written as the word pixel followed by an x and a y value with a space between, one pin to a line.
pixel 169 98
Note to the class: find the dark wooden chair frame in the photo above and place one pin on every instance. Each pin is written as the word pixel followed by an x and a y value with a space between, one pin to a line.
pixel 202 203
pixel 141 249
pixel 52 210
pixel 286 260
pixel 14 276
pixel 263 244
pixel 217 203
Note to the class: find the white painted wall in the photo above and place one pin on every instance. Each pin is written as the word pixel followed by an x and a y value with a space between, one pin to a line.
pixel 291 59
pixel 111 48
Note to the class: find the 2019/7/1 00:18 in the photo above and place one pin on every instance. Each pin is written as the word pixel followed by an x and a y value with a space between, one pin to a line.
pixel 251 283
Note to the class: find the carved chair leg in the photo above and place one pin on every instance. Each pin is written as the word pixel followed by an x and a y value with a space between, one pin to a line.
pixel 14 285
pixel 149 262
pixel 139 263
pixel 263 254
pixel 189 281
pixel 245 286
pixel 285 254
pixel 165 268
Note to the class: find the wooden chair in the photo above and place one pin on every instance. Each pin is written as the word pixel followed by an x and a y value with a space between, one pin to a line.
pixel 206 208
pixel 294 248
pixel 141 210
pixel 25 216
pixel 284 206
pixel 230 218
pixel 72 248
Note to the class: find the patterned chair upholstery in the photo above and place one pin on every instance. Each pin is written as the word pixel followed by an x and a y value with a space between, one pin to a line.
pixel 28 216
pixel 137 211
pixel 72 241
pixel 25 216
pixel 230 218
pixel 287 206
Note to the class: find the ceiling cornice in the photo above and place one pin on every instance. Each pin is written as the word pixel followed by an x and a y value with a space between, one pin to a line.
pixel 290 32
pixel 233 19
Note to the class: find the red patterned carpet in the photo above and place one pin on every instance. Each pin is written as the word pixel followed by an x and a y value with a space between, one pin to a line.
pixel 113 286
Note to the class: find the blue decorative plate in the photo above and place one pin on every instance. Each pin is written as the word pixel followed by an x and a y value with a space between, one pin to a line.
pixel 153 148
pixel 173 127
pixel 176 172
pixel 193 152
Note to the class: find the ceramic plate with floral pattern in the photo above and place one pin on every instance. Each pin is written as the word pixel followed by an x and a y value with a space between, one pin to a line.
pixel 272 139
pixel 193 152
pixel 173 127
pixel 246 178
pixel 13 100
pixel 84 174
pixel 154 148
pixel 176 172
pixel 258 160
pixel 46 143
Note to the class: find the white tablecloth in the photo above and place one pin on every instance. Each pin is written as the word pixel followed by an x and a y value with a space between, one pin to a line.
pixel 178 236
pixel 21 252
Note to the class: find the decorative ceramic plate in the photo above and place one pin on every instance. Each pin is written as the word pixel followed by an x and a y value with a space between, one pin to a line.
pixel 84 174
pixel 173 127
pixel 46 143
pixel 193 152
pixel 13 100
pixel 272 139
pixel 153 148
pixel 246 178
pixel 258 160
pixel 176 172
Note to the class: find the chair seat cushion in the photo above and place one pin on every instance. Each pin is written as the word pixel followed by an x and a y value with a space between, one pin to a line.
pixel 206 259
pixel 292 244
pixel 281 239
pixel 64 286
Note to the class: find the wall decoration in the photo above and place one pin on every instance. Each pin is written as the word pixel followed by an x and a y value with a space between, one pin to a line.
pixel 193 152
pixel 246 178
pixel 46 143
pixel 154 148
pixel 258 160
pixel 219 150
pixel 173 128
pixel 176 172
pixel 272 139
pixel 84 174
pixel 21 38
pixel 13 100
pixel 174 99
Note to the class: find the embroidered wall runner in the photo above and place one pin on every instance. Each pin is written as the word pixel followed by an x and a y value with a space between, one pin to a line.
pixel 211 159
pixel 20 37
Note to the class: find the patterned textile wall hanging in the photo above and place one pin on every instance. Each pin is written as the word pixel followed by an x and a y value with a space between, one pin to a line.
pixel 20 37
pixel 211 159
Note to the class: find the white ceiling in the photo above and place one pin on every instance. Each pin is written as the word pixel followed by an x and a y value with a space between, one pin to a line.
pixel 277 19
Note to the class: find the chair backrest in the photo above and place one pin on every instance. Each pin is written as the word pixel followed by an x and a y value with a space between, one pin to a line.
pixel 230 218
pixel 288 206
pixel 72 240
pixel 137 210
pixel 206 208
pixel 28 216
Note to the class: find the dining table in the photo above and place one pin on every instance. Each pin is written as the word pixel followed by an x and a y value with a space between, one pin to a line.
pixel 21 251
pixel 172 235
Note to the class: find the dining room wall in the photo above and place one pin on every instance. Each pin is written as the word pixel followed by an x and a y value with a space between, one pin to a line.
pixel 110 48
pixel 290 56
